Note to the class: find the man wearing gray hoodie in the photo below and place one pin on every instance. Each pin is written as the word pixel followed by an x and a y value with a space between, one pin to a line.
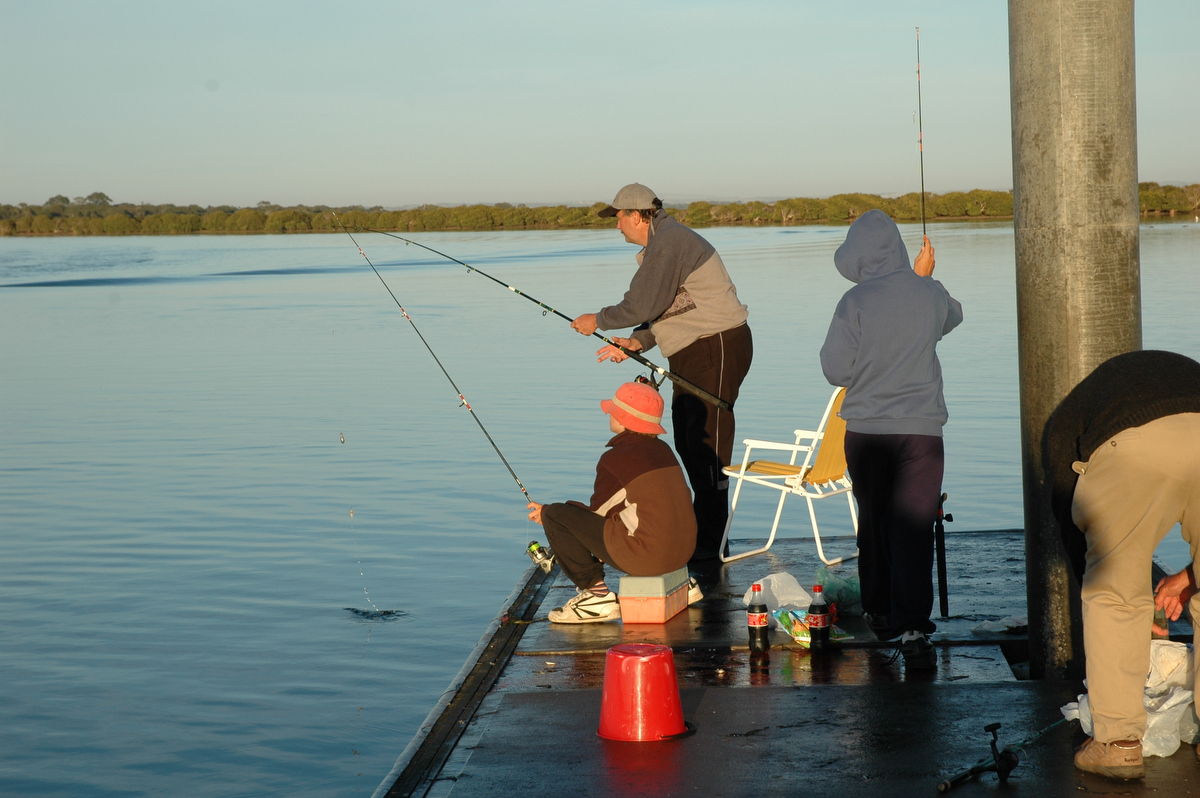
pixel 881 345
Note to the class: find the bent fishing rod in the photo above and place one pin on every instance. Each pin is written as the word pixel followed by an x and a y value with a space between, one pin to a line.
pixel 461 398
pixel 686 385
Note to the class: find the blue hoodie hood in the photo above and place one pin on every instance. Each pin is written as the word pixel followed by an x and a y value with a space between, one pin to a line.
pixel 873 248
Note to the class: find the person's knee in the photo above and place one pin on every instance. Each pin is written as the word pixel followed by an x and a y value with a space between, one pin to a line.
pixel 553 520
pixel 1116 580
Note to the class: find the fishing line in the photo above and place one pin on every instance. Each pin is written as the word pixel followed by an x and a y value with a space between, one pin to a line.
pixel 546 309
pixel 463 401
pixel 920 131
pixel 362 572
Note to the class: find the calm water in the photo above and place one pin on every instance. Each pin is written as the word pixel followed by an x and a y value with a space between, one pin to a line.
pixel 177 548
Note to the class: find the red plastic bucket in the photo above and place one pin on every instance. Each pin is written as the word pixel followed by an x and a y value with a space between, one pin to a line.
pixel 640 702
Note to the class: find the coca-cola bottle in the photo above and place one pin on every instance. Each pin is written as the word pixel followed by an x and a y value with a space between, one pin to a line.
pixel 818 622
pixel 756 621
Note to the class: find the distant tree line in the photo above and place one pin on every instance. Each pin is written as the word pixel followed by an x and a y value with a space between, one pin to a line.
pixel 97 214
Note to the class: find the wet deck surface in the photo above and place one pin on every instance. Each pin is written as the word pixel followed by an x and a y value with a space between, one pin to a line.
pixel 881 740
pixel 850 724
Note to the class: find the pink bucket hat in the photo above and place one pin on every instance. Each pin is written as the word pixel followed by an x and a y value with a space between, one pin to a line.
pixel 638 407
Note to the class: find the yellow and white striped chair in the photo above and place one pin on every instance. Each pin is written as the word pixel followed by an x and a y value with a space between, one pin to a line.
pixel 820 475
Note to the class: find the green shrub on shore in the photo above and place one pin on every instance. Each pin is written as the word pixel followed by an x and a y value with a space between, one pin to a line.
pixel 96 214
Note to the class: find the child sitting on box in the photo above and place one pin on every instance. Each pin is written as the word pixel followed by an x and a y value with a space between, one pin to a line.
pixel 640 519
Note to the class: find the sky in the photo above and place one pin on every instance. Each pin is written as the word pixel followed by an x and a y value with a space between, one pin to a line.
pixel 400 103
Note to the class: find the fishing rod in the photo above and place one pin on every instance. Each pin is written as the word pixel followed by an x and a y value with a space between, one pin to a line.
pixel 1003 762
pixel 461 398
pixel 920 131
pixel 690 387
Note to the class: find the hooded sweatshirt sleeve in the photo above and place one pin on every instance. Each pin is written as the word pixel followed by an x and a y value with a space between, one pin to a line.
pixel 954 313
pixel 841 344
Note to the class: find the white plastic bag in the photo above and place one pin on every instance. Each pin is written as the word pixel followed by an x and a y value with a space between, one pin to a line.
pixel 1189 725
pixel 1170 666
pixel 1167 696
pixel 1164 714
pixel 780 591
pixel 1079 710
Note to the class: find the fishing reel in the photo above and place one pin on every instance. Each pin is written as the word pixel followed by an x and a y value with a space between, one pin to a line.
pixel 542 556
pixel 644 380
pixel 1002 763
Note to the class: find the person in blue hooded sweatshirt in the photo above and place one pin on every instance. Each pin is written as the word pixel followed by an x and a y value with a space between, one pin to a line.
pixel 882 346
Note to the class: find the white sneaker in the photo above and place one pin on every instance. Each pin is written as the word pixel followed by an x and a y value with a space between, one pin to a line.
pixel 694 593
pixel 587 607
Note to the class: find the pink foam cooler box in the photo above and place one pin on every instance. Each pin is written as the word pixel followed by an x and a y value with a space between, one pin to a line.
pixel 653 599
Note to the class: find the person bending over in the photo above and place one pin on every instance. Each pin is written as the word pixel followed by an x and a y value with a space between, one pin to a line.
pixel 640 519
pixel 1121 455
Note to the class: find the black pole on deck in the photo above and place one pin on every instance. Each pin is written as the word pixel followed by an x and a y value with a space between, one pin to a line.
pixel 939 543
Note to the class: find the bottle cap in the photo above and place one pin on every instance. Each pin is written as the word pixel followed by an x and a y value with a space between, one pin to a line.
pixel 817 589
pixel 756 587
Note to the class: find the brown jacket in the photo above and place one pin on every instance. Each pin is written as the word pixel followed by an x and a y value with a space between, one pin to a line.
pixel 650 527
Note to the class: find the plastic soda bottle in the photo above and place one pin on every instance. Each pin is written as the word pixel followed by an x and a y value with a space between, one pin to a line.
pixel 818 621
pixel 756 621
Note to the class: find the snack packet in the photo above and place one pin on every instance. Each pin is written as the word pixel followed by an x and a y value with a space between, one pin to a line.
pixel 792 622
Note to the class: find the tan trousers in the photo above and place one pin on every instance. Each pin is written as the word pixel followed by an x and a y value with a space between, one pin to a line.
pixel 1133 490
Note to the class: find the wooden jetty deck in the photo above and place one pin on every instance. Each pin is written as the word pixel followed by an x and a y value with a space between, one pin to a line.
pixel 521 716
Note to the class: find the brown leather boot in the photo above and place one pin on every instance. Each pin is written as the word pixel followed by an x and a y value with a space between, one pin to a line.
pixel 1118 760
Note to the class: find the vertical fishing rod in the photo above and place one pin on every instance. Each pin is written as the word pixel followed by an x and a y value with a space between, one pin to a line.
pixel 659 370
pixel 920 131
pixel 461 398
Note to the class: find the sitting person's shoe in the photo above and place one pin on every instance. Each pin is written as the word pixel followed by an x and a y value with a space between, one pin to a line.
pixel 694 593
pixel 1119 760
pixel 587 607
pixel 880 624
pixel 918 652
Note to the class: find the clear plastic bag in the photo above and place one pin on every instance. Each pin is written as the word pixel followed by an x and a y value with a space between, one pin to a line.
pixel 780 591
pixel 1164 716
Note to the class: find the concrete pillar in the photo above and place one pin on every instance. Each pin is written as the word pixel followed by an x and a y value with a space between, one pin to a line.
pixel 1075 209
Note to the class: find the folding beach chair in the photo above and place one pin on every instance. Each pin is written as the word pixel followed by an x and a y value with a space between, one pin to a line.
pixel 820 475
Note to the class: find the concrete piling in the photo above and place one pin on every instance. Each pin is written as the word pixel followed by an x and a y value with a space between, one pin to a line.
pixel 1075 216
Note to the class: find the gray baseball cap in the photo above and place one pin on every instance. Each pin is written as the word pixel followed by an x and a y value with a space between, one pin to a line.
pixel 633 197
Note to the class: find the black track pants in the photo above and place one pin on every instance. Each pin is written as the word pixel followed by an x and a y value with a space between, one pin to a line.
pixel 704 432
pixel 576 535
pixel 897 482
